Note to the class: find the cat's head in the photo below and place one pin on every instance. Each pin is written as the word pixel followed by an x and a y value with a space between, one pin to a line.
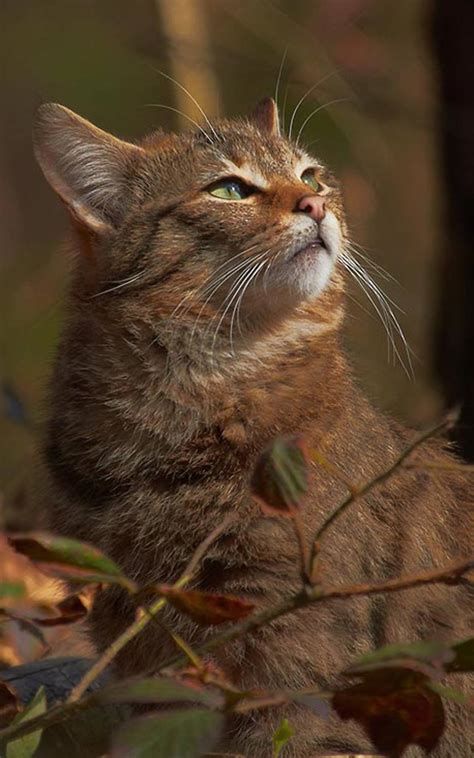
pixel 226 229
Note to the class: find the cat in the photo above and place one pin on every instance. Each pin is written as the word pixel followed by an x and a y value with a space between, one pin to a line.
pixel 205 317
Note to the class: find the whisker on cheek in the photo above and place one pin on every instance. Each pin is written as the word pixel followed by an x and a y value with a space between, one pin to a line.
pixel 382 304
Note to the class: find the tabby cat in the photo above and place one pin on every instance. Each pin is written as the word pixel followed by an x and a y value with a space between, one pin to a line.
pixel 205 317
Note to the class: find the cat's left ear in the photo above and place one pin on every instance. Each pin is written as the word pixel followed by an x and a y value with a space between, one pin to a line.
pixel 86 166
pixel 265 117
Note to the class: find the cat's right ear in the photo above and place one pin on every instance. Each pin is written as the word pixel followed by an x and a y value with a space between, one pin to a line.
pixel 265 117
pixel 86 166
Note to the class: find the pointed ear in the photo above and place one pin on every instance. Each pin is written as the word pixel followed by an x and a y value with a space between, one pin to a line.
pixel 265 116
pixel 87 167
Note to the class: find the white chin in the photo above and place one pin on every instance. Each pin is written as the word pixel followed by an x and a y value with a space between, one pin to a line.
pixel 310 272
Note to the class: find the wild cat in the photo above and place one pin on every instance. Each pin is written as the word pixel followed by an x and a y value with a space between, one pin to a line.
pixel 205 317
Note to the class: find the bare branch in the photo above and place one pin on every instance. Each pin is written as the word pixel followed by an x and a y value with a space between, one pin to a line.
pixel 144 617
pixel 356 492
pixel 452 573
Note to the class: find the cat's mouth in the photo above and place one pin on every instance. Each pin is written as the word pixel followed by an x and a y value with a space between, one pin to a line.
pixel 316 245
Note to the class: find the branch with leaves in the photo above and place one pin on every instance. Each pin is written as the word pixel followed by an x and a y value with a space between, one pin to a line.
pixel 394 682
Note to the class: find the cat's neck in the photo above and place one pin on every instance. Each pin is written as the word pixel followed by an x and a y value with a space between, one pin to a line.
pixel 278 382
pixel 140 411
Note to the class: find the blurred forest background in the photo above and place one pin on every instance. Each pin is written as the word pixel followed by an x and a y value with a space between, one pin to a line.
pixel 383 137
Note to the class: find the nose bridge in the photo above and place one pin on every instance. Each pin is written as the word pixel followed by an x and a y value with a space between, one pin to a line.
pixel 292 198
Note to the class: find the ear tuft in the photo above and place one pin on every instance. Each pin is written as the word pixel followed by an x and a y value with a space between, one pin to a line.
pixel 265 116
pixel 86 166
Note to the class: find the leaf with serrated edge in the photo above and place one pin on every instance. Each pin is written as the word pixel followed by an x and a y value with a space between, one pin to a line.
pixel 205 607
pixel 283 734
pixel 171 734
pixel 157 691
pixel 25 747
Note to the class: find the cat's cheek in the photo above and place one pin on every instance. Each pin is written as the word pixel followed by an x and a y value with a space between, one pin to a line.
pixel 330 230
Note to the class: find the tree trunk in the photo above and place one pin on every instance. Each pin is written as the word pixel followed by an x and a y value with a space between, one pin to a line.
pixel 454 332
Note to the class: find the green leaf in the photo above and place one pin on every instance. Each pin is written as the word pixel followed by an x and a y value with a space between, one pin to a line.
pixel 25 747
pixel 12 589
pixel 449 693
pixel 427 657
pixel 69 559
pixel 280 478
pixel 282 735
pixel 171 734
pixel 463 656
pixel 157 691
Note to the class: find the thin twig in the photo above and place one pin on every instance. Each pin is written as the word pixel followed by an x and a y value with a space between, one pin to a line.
pixel 144 617
pixel 452 573
pixel 461 468
pixel 357 492
pixel 303 549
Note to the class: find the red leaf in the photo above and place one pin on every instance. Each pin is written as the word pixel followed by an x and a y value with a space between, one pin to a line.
pixel 206 608
pixel 280 478
pixel 9 704
pixel 396 707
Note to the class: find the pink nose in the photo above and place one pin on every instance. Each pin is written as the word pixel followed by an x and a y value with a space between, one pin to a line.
pixel 314 205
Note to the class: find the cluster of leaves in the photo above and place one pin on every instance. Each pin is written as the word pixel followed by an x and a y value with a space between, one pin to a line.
pixel 397 695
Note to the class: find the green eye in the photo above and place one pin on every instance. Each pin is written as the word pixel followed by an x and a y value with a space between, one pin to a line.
pixel 309 178
pixel 230 189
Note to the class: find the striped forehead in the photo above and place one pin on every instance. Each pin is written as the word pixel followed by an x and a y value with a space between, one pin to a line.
pixel 260 173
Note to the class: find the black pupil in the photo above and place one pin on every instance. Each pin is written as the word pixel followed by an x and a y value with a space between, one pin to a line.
pixel 239 188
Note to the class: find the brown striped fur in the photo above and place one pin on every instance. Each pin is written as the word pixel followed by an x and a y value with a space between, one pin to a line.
pixel 155 421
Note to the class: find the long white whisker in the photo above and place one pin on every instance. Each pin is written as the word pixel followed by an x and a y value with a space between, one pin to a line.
pixel 214 286
pixel 381 303
pixel 120 285
pixel 207 283
pixel 378 307
pixel 280 72
pixel 316 110
pixel 369 262
pixel 191 97
pixel 302 99
pixel 283 110
pixel 236 311
pixel 233 293
pixel 181 113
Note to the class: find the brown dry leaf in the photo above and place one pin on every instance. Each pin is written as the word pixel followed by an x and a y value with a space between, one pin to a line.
pixel 45 601
pixel 205 607
pixel 9 704
pixel 396 708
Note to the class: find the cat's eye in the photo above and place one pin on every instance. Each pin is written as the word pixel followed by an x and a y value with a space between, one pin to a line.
pixel 309 178
pixel 231 189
